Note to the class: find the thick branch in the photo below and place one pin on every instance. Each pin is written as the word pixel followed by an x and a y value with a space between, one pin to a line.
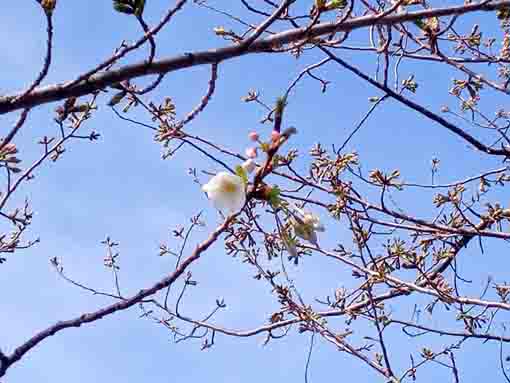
pixel 102 80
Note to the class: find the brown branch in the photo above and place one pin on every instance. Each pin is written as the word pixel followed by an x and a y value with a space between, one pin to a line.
pixel 47 59
pixel 418 108
pixel 245 45
pixel 40 77
pixel 152 42
pixel 20 351
pixel 122 52
pixel 105 79
pixel 205 100
pixel 116 307
pixel 456 183
pixel 17 126
pixel 443 332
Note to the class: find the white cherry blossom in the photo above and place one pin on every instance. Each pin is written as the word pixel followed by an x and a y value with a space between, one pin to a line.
pixel 306 224
pixel 226 191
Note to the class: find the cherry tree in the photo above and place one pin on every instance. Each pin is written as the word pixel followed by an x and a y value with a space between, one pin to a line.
pixel 402 237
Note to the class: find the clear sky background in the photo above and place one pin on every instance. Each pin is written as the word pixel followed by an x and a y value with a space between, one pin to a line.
pixel 119 186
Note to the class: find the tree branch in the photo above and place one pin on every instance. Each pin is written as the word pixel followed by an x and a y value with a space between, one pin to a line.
pixel 418 108
pixel 113 308
pixel 102 80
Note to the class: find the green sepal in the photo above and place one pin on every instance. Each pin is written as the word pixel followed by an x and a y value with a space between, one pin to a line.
pixel 265 147
pixel 123 8
pixel 242 173
pixel 139 7
pixel 420 24
pixel 274 196
pixel 337 4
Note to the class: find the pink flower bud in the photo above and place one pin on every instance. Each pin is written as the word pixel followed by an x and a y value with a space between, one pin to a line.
pixel 10 149
pixel 251 152
pixel 253 136
pixel 275 136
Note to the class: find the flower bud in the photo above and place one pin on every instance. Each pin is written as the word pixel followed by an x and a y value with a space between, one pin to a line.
pixel 253 136
pixel 49 5
pixel 10 149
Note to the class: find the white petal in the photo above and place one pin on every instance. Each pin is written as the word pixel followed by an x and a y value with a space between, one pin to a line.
pixel 230 203
pixel 249 165
pixel 226 191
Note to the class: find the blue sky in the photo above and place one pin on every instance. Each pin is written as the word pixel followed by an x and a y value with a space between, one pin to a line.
pixel 121 187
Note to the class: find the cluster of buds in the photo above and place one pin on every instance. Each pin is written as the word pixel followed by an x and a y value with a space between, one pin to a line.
pixel 110 259
pixel 48 6
pixel 129 7
pixel 227 191
pixel 228 35
pixel 8 157
pixel 504 53
pixel 70 106
pixel 324 6
pixel 252 151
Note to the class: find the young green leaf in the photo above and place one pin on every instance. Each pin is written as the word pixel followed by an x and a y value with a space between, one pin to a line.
pixel 241 172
